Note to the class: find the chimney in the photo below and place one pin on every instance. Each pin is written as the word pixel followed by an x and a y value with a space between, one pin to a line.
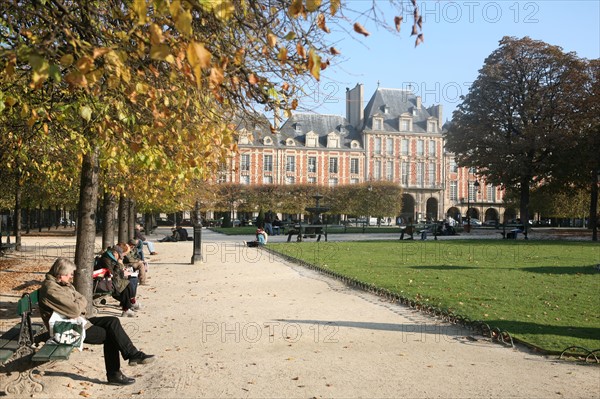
pixel 418 102
pixel 354 102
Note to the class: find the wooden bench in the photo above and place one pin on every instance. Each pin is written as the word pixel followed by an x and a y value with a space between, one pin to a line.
pixel 306 231
pixel 19 343
pixel 4 248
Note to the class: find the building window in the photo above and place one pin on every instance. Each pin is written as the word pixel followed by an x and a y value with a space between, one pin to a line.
pixel 290 180
pixel 333 181
pixel 311 139
pixel 389 171
pixel 377 145
pixel 431 126
pixel 454 191
pixel 333 165
pixel 420 147
pixel 491 193
pixel 377 124
pixel 432 148
pixel 377 169
pixel 312 164
pixel 245 162
pixel 354 181
pixel 333 141
pixel 290 163
pixel 354 166
pixel 405 173
pixel 420 173
pixel 268 163
pixel 245 179
pixel 389 146
pixel 312 180
pixel 472 191
pixel 267 179
pixel 453 166
pixel 405 125
pixel 431 171
pixel 404 147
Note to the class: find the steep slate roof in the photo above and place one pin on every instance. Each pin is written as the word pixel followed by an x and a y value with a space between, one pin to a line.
pixel 322 125
pixel 398 102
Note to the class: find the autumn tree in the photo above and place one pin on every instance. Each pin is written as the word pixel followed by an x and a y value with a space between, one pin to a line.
pixel 516 115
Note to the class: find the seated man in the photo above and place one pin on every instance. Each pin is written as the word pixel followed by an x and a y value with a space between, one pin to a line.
pixel 183 234
pixel 174 237
pixel 132 260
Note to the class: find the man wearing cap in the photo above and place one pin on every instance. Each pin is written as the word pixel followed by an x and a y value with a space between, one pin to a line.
pixel 124 290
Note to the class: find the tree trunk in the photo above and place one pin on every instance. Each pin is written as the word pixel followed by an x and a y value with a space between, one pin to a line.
pixel 86 230
pixel 28 219
pixel 594 206
pixel 123 218
pixel 132 214
pixel 108 228
pixel 17 220
pixel 524 203
pixel 148 223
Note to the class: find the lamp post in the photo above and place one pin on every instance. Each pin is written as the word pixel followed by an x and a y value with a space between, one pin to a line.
pixel 197 256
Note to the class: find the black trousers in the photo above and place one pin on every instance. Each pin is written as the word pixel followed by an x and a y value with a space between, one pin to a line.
pixel 125 296
pixel 110 332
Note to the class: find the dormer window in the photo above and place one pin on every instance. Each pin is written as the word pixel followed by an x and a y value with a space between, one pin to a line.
pixel 311 139
pixel 244 137
pixel 386 109
pixel 414 112
pixel 431 126
pixel 377 123
pixel 405 124
pixel 333 140
pixel 290 142
pixel 298 127
pixel 267 141
pixel 354 144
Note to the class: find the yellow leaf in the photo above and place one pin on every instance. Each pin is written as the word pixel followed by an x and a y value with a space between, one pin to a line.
pixel 314 64
pixel 295 8
pixel 86 113
pixel 156 36
pixel 140 8
pixel 223 9
pixel 10 101
pixel 321 23
pixel 312 5
pixel 294 103
pixel 76 78
pixel 174 8
pixel 183 23
pixel 100 51
pixel 238 59
pixel 216 76
pixel 282 56
pixel 252 79
pixel 84 64
pixel 300 49
pixel 272 39
pixel 66 60
pixel 334 6
pixel 198 55
pixel 40 68
pixel 334 51
pixel 160 52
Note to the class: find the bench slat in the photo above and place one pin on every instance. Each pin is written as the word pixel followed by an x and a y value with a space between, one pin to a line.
pixel 53 352
pixel 10 339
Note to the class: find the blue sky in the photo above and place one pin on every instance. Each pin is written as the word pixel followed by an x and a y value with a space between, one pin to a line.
pixel 458 35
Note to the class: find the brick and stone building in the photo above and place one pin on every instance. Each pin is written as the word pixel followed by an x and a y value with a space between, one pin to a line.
pixel 394 137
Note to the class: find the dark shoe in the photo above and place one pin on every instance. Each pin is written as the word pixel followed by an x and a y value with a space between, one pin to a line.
pixel 153 253
pixel 120 379
pixel 141 358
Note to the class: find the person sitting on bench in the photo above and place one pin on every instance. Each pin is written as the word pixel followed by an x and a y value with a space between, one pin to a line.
pixel 58 295
pixel 124 287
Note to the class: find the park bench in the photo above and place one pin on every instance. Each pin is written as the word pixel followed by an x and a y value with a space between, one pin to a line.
pixel 18 344
pixel 514 231
pixel 308 231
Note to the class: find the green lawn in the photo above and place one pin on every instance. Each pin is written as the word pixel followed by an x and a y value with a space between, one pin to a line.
pixel 544 293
